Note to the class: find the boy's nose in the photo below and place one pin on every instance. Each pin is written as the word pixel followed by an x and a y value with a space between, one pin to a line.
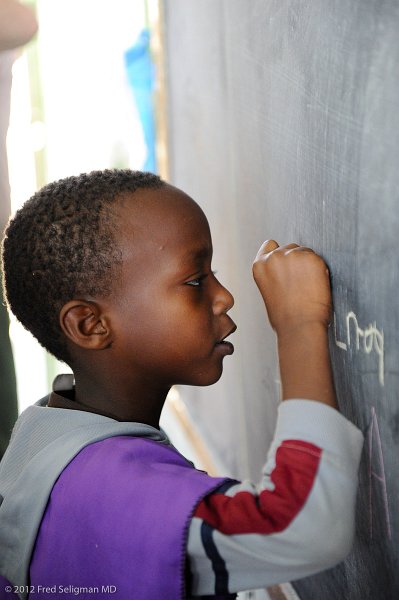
pixel 223 300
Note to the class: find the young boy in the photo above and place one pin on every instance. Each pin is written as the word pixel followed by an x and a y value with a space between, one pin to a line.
pixel 111 271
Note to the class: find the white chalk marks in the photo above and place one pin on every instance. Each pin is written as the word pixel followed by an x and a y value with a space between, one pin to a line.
pixel 375 450
pixel 367 340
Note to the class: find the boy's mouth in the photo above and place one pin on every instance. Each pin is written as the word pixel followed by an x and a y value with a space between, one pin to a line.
pixel 226 347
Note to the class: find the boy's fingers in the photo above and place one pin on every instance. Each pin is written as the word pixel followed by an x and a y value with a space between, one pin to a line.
pixel 288 247
pixel 267 247
pixel 295 247
pixel 270 246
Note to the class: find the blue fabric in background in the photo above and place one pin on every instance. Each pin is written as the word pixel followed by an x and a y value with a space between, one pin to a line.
pixel 141 76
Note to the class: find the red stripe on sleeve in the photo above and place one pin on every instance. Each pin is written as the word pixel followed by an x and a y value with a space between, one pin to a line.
pixel 270 511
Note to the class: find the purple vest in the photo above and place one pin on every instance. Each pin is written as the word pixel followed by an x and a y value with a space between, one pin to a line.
pixel 116 523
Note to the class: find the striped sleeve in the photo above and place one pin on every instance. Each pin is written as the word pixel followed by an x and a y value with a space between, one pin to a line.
pixel 297 521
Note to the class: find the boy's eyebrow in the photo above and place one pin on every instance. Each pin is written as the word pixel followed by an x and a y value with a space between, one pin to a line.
pixel 198 253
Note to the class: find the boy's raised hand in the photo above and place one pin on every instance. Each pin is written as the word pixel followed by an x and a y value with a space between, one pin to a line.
pixel 295 286
pixel 294 283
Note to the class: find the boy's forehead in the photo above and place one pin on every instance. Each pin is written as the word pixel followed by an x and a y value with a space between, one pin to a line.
pixel 146 203
pixel 162 217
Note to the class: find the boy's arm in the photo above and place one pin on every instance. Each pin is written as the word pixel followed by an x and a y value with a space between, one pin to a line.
pixel 298 521
pixel 294 284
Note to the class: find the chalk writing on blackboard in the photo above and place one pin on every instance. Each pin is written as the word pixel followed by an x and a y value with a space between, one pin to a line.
pixel 363 340
pixel 376 451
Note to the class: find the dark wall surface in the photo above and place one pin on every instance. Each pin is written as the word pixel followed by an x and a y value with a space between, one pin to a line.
pixel 284 124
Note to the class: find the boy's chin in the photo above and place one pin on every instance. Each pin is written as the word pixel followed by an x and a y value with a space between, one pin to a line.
pixel 208 378
pixel 211 374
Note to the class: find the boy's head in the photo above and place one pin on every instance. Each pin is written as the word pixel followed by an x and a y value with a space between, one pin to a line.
pixel 119 261
pixel 63 244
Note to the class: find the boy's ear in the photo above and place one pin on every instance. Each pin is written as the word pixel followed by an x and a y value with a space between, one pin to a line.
pixel 85 325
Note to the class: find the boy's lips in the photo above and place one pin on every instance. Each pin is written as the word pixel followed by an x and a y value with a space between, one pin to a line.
pixel 226 347
pixel 231 330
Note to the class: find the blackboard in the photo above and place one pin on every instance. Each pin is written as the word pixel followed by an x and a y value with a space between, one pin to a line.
pixel 284 123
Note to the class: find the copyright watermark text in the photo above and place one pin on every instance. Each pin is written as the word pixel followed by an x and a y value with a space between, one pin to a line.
pixel 73 590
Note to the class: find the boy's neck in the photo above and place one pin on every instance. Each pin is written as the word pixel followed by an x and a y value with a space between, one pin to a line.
pixel 138 401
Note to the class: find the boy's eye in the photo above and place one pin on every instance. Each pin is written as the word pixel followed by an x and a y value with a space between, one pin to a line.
pixel 198 280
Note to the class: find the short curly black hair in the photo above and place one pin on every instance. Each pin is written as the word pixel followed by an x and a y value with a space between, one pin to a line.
pixel 62 244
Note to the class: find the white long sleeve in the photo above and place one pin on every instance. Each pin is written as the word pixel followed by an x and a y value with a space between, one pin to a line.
pixel 299 520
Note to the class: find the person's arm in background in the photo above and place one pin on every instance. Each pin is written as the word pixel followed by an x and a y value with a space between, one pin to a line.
pixel 17 24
